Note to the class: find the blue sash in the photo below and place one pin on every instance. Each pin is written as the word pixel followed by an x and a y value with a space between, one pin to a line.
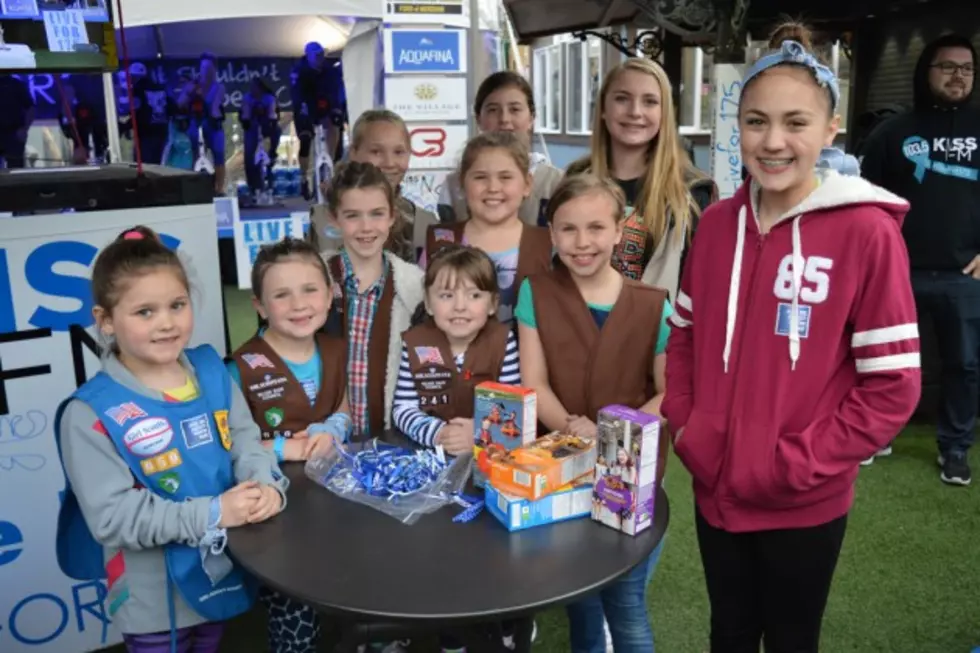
pixel 178 451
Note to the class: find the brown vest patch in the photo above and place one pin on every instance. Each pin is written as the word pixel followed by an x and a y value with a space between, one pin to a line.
pixel 589 368
pixel 279 403
pixel 443 391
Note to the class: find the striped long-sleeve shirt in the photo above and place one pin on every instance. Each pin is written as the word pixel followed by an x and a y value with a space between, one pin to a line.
pixel 408 418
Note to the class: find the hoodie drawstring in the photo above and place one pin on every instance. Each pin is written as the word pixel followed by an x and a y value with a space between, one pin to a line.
pixel 733 287
pixel 794 314
pixel 735 281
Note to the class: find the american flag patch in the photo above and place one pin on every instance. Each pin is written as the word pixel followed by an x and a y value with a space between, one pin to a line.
pixel 255 361
pixel 429 356
pixel 124 412
pixel 445 234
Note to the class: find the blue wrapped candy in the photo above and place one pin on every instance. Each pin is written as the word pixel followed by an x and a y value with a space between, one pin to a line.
pixel 400 482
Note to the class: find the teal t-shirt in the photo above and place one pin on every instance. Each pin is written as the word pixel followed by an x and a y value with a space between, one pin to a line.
pixel 524 314
pixel 307 373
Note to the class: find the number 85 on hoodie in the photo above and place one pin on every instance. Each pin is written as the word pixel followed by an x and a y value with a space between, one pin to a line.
pixel 793 355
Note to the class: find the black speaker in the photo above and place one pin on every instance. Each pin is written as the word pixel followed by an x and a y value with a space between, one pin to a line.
pixel 100 188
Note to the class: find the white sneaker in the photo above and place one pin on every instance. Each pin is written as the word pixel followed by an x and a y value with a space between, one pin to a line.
pixel 887 451
pixel 609 641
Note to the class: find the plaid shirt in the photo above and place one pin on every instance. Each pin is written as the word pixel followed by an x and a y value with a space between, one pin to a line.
pixel 361 308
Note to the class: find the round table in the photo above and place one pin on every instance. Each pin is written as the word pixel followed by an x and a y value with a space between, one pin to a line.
pixel 347 559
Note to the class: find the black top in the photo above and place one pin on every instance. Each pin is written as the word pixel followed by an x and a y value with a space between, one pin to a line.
pixel 929 157
pixel 343 557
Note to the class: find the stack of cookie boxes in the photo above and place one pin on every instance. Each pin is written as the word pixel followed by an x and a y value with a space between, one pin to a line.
pixel 528 481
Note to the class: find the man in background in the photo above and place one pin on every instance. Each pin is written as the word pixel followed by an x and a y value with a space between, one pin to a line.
pixel 929 156
pixel 318 100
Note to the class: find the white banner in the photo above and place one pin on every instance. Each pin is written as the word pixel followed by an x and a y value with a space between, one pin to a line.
pixel 423 187
pixel 434 12
pixel 46 351
pixel 252 234
pixel 427 98
pixel 726 153
pixel 436 146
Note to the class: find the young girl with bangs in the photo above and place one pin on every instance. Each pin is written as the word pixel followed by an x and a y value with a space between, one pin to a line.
pixel 505 103
pixel 458 346
pixel 636 143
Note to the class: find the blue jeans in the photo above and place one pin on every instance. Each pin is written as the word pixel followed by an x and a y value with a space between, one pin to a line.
pixel 952 300
pixel 624 606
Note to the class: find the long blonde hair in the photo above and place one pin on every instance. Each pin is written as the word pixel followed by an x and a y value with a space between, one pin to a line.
pixel 664 191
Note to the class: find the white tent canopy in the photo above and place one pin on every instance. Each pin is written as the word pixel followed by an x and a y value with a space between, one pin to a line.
pixel 274 36
pixel 137 13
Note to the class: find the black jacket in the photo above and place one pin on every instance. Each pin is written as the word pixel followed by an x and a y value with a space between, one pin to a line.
pixel 930 156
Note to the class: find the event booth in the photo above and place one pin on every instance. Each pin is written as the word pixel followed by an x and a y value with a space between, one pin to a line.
pixel 65 215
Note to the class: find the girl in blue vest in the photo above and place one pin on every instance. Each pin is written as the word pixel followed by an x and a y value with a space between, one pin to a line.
pixel 295 383
pixel 161 456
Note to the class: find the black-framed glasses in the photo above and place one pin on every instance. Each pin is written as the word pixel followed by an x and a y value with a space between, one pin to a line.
pixel 950 67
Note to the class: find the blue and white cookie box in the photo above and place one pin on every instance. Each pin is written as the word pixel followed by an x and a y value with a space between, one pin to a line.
pixel 516 513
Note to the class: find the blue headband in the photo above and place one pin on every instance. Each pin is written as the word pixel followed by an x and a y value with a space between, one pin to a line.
pixel 794 53
pixel 833 158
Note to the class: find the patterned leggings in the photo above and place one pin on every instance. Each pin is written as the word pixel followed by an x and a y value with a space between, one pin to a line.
pixel 293 626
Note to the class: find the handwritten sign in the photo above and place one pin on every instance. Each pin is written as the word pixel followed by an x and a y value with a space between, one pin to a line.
pixel 251 235
pixel 423 187
pixel 47 349
pixel 65 30
pixel 726 153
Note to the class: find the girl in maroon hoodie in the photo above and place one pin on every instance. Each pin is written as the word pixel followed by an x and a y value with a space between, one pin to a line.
pixel 794 355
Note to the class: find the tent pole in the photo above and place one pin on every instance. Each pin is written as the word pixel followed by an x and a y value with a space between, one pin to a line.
pixel 111 118
pixel 474 55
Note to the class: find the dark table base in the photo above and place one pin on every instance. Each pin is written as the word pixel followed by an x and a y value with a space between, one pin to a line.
pixel 475 638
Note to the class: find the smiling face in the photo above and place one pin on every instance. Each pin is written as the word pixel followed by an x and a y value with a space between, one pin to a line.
pixel 785 121
pixel 951 74
pixel 364 217
pixel 457 306
pixel 385 144
pixel 294 298
pixel 495 186
pixel 507 110
pixel 585 230
pixel 631 109
pixel 152 321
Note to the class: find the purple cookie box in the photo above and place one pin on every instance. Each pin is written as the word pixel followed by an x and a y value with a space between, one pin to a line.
pixel 626 504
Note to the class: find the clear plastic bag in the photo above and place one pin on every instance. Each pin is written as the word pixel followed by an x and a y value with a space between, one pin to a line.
pixel 338 472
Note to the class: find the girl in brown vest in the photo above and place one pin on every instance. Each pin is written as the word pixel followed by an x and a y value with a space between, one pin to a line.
pixel 375 293
pixel 458 346
pixel 496 179
pixel 293 379
pixel 590 338
pixel 505 103
pixel 635 143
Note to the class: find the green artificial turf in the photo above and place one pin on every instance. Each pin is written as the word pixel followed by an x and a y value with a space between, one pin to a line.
pixel 908 580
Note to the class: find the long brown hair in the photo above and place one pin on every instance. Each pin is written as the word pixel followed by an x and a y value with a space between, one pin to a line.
pixel 664 191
